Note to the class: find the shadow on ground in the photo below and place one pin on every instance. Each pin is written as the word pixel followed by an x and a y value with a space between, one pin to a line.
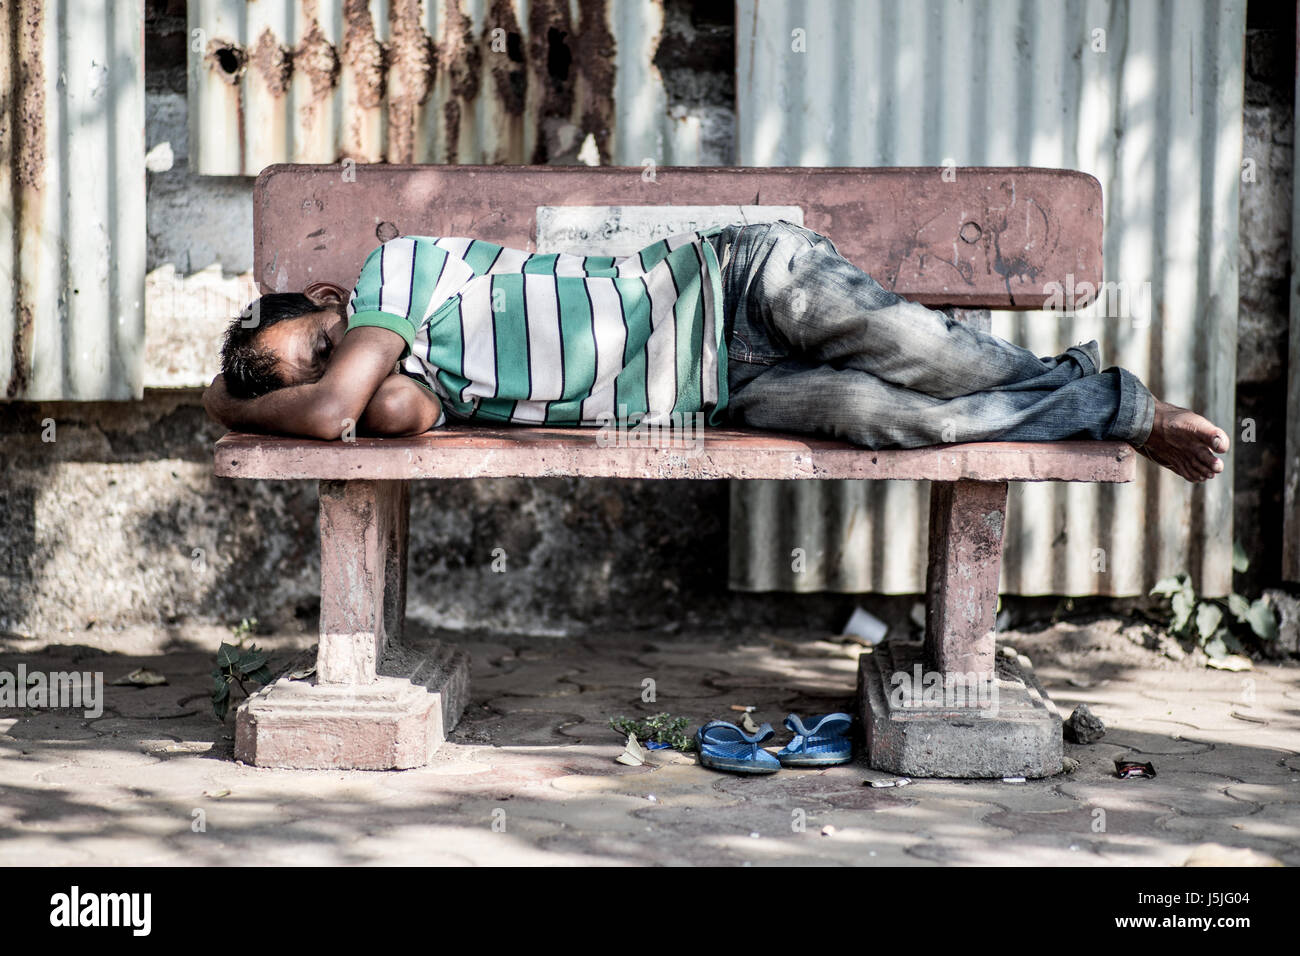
pixel 529 776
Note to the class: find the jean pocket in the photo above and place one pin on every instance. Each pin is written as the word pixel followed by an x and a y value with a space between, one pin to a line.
pixel 739 350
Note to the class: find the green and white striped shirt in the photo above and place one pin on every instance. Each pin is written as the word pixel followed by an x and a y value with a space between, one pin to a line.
pixel 503 335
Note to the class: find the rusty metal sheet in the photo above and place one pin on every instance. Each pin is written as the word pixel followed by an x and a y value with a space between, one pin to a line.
pixel 72 217
pixel 993 238
pixel 429 81
pixel 712 453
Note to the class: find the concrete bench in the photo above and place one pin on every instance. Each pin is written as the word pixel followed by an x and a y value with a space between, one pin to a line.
pixel 986 238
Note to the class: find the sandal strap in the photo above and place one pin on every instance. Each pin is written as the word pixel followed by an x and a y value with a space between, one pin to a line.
pixel 822 728
pixel 721 732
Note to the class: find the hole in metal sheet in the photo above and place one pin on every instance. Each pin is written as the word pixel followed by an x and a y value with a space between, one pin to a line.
pixel 558 55
pixel 228 60
pixel 515 47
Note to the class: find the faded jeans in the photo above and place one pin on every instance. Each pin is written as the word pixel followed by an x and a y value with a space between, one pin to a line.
pixel 816 345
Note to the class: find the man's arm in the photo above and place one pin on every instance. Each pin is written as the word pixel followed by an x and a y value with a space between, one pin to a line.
pixel 400 406
pixel 320 409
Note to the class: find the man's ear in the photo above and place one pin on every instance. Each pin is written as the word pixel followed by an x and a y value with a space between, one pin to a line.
pixel 326 293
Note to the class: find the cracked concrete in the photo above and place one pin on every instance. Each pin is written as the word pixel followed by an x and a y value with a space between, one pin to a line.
pixel 153 781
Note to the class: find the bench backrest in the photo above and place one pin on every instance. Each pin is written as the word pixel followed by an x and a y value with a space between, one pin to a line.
pixel 972 238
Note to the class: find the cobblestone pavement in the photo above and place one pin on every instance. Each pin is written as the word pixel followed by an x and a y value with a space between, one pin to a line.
pixel 152 780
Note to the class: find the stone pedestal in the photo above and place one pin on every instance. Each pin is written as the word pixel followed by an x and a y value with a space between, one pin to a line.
pixel 394 722
pixel 374 703
pixel 1012 731
pixel 954 707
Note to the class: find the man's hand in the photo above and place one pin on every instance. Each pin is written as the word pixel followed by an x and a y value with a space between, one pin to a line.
pixel 219 403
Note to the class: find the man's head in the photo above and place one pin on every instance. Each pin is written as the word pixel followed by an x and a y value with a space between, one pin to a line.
pixel 284 338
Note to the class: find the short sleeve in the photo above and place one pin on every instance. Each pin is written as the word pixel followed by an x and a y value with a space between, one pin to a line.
pixel 394 290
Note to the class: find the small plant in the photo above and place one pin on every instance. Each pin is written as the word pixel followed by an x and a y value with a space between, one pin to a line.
pixel 236 664
pixel 1217 625
pixel 661 728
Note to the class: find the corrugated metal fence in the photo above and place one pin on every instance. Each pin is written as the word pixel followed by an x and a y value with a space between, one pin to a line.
pixel 72 246
pixel 461 81
pixel 1291 486
pixel 1147 96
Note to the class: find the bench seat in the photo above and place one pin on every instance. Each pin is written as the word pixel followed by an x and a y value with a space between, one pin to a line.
pixel 521 452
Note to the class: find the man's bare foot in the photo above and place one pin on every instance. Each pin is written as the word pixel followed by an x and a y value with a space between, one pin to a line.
pixel 1185 443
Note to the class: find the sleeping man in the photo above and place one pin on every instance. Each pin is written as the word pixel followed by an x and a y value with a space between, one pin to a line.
pixel 764 325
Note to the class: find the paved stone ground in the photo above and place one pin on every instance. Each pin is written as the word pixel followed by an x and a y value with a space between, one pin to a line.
pixel 535 752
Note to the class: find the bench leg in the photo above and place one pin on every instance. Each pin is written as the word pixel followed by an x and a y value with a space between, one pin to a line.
pixel 363 576
pixel 376 702
pixel 954 707
pixel 961 581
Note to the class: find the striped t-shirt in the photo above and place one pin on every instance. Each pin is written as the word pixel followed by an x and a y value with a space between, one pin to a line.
pixel 502 335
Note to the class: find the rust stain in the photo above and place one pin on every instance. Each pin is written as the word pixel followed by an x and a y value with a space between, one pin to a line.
pixel 410 76
pixel 451 120
pixel 551 66
pixel 363 53
pixel 273 61
pixel 460 59
pixel 315 58
pixel 27 38
pixel 460 52
pixel 20 374
pixel 22 144
pixel 594 60
pixel 509 77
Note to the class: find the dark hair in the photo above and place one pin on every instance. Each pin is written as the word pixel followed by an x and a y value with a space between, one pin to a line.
pixel 250 369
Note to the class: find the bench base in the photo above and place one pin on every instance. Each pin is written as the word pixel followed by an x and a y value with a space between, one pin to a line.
pixel 918 725
pixel 394 723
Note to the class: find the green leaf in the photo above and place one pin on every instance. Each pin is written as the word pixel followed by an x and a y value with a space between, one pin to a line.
pixel 661 728
pixel 1216 649
pixel 220 690
pixel 1166 586
pixel 1239 560
pixel 1261 620
pixel 244 627
pixel 252 659
pixel 1184 603
pixel 1239 607
pixel 221 708
pixel 262 675
pixel 227 655
pixel 1208 617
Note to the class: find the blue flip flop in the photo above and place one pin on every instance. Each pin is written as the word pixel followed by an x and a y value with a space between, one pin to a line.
pixel 725 746
pixel 824 744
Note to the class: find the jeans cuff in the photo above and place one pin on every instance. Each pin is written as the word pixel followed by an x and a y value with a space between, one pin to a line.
pixel 1088 355
pixel 1137 409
